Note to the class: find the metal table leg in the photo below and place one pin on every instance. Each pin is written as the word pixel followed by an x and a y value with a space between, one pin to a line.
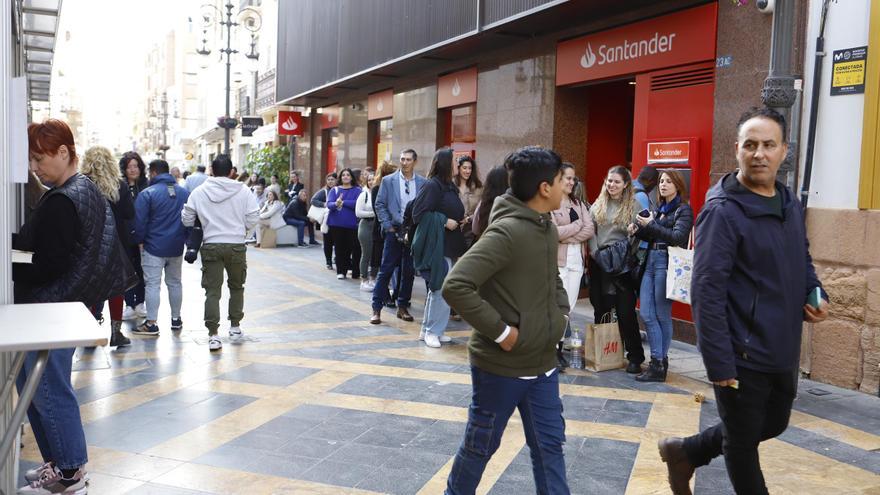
pixel 24 401
pixel 13 373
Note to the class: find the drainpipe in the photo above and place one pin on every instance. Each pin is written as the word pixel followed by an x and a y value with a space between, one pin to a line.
pixel 814 107
pixel 778 91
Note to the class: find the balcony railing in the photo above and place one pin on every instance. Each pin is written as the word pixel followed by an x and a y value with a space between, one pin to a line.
pixel 265 90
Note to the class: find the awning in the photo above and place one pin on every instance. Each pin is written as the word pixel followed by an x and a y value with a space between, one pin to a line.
pixel 264 134
pixel 39 25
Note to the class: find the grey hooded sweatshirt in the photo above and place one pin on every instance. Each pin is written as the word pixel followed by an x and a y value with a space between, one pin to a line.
pixel 226 209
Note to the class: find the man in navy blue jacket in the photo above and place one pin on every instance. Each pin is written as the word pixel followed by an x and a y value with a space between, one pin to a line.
pixel 753 276
pixel 161 234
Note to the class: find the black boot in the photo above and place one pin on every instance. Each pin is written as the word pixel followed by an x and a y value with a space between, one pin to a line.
pixel 665 367
pixel 560 358
pixel 654 373
pixel 117 338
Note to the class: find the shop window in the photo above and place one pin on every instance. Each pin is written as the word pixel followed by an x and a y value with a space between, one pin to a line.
pixel 383 146
pixel 464 124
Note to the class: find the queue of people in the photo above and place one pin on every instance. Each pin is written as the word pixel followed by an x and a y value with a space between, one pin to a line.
pixel 511 263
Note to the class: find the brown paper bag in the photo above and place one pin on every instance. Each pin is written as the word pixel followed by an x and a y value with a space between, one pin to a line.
pixel 270 239
pixel 603 349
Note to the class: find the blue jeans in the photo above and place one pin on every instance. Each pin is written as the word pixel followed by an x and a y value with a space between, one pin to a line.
pixel 153 267
pixel 656 310
pixel 394 254
pixel 540 408
pixel 436 310
pixel 54 411
pixel 300 229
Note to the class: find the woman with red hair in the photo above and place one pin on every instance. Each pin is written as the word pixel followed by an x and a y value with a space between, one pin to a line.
pixel 77 258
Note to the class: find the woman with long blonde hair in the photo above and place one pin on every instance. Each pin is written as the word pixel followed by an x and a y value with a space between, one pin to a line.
pixel 613 211
pixel 99 165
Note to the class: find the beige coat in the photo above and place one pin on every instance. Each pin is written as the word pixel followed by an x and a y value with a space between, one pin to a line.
pixel 470 198
pixel 577 233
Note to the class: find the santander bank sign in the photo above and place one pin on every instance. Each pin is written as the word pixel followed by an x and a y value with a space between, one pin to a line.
pixel 683 37
pixel 627 50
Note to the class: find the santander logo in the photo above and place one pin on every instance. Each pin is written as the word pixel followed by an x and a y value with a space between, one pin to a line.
pixel 289 124
pixel 456 88
pixel 588 58
pixel 380 106
pixel 627 50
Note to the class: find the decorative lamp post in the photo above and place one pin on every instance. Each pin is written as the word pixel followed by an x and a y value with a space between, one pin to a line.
pixel 162 116
pixel 252 21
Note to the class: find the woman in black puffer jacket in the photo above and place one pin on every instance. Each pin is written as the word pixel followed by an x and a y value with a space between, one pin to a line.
pixel 669 225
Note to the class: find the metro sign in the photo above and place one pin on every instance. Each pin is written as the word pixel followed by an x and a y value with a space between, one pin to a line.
pixel 290 123
pixel 675 39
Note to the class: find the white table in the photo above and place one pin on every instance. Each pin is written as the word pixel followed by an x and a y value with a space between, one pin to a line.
pixel 40 327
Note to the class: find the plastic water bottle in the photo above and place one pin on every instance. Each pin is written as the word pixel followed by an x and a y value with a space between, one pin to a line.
pixel 577 349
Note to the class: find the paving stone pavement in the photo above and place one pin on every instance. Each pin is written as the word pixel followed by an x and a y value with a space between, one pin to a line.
pixel 316 400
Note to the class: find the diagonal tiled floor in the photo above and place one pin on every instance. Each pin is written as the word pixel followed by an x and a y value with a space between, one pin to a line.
pixel 319 401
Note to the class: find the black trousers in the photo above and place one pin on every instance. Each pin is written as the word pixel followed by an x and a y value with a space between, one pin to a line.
pixel 310 225
pixel 328 248
pixel 624 302
pixel 345 241
pixel 759 410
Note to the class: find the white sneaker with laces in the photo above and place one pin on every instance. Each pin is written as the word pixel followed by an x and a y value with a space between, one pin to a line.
pixel 235 334
pixel 432 340
pixel 365 286
pixel 445 339
pixel 340 276
pixel 214 343
pixel 49 483
pixel 129 313
pixel 141 310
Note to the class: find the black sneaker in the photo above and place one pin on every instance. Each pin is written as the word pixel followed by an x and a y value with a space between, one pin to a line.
pixel 176 324
pixel 147 329
pixel 314 243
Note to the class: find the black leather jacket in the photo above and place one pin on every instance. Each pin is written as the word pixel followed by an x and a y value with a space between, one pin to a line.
pixel 674 229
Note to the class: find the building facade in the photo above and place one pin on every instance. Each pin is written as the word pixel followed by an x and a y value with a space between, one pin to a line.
pixel 603 83
pixel 843 220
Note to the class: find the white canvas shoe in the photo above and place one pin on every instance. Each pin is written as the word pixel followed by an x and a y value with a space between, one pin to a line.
pixel 431 340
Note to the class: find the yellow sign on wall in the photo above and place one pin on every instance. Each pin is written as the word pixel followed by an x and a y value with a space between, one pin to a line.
pixel 848 71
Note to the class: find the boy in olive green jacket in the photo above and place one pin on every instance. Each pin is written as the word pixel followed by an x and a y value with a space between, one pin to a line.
pixel 507 287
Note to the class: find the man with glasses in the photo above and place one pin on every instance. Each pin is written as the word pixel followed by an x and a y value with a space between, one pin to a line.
pixel 395 192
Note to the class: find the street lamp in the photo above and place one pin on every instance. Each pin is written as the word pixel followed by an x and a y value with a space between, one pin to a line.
pixel 252 21
pixel 163 117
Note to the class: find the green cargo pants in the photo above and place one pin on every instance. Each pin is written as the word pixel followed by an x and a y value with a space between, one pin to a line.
pixel 216 258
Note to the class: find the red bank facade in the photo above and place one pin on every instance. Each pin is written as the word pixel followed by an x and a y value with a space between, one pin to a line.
pixel 603 83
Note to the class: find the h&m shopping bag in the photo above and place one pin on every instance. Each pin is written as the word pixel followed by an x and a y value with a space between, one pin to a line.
pixel 603 349
pixel 679 272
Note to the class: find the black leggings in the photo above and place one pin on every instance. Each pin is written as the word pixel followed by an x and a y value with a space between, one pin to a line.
pixel 624 301
pixel 345 241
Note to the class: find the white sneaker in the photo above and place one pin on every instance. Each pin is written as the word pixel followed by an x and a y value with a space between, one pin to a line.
pixel 445 339
pixel 49 483
pixel 365 286
pixel 431 340
pixel 235 334
pixel 340 277
pixel 141 310
pixel 214 343
pixel 129 313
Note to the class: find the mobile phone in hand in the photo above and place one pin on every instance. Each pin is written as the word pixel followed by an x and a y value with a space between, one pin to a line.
pixel 815 298
pixel 645 213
